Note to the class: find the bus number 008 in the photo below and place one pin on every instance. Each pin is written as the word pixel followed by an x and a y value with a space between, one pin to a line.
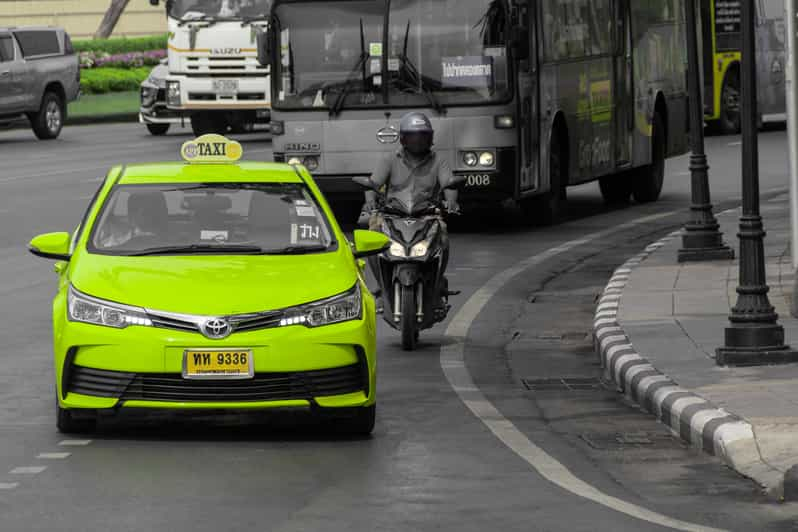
pixel 478 180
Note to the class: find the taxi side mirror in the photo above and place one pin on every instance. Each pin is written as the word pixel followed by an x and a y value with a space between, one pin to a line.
pixel 368 243
pixel 264 44
pixel 51 246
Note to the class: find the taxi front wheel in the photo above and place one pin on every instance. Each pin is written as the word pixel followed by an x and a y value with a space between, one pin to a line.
pixel 68 424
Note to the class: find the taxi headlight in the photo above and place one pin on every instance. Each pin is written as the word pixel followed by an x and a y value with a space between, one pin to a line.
pixel 294 161
pixel 311 162
pixel 397 250
pixel 420 249
pixel 87 309
pixel 470 158
pixel 486 158
pixel 344 307
pixel 173 93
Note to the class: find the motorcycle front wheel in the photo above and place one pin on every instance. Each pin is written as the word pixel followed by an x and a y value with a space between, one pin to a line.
pixel 409 322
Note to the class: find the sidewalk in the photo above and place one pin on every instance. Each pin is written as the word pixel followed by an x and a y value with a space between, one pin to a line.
pixel 657 327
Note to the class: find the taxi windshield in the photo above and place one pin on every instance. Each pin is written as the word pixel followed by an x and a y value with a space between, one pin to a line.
pixel 207 218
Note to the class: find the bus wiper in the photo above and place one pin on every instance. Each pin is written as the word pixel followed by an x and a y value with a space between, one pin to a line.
pixel 198 248
pixel 408 65
pixel 210 20
pixel 296 250
pixel 335 110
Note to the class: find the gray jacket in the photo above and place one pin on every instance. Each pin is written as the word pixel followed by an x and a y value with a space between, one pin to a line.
pixel 413 186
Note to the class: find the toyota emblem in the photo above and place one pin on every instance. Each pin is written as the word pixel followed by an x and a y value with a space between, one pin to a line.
pixel 216 329
pixel 388 135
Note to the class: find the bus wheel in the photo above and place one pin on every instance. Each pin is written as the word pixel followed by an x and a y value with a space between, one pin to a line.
pixel 730 104
pixel 616 189
pixel 548 208
pixel 647 185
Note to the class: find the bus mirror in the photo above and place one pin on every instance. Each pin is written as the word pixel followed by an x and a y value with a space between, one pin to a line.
pixel 519 41
pixel 264 48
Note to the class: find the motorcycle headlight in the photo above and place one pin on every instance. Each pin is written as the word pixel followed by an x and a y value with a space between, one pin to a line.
pixel 345 307
pixel 397 250
pixel 420 249
pixel 87 309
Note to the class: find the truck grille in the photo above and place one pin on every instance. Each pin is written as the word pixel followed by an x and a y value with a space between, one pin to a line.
pixel 172 387
pixel 232 65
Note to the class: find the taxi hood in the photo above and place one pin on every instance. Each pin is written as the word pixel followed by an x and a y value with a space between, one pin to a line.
pixel 212 284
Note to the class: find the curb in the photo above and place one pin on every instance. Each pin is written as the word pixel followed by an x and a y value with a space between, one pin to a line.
pixel 694 419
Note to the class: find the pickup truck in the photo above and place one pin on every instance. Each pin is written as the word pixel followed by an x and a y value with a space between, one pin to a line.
pixel 39 75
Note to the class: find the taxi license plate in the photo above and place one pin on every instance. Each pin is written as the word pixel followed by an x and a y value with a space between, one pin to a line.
pixel 225 87
pixel 232 364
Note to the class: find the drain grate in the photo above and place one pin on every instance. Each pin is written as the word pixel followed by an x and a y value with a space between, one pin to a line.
pixel 618 441
pixel 567 384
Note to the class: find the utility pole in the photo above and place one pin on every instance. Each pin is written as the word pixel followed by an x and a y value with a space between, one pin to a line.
pixel 791 90
pixel 701 238
pixel 754 336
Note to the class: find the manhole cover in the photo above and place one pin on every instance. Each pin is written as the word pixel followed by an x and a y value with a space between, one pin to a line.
pixel 619 441
pixel 566 384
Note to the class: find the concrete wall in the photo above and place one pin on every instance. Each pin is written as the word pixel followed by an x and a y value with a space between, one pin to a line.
pixel 81 18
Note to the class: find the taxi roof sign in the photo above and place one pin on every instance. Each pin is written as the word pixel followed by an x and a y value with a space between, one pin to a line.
pixel 211 148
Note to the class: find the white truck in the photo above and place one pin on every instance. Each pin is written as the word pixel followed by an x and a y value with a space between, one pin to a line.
pixel 215 77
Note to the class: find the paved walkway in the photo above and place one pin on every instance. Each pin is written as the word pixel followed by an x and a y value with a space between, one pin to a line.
pixel 658 327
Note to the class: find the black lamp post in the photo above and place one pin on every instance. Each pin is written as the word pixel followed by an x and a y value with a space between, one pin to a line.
pixel 701 239
pixel 754 336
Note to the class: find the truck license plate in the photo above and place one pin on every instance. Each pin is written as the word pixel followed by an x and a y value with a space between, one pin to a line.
pixel 225 87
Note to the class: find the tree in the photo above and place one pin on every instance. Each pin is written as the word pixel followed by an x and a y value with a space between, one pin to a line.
pixel 111 18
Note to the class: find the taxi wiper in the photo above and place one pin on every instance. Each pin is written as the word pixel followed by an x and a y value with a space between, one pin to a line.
pixel 296 250
pixel 197 248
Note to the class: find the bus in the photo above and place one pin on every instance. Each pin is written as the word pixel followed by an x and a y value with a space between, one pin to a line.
pixel 527 97
pixel 721 42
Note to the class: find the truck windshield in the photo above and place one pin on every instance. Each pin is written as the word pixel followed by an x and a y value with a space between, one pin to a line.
pixel 439 52
pixel 217 9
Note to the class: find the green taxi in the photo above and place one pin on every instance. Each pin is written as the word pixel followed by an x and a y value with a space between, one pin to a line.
pixel 212 284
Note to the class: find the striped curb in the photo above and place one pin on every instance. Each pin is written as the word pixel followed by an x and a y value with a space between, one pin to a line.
pixel 694 419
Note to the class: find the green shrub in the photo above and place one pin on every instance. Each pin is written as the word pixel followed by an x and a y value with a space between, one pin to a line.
pixel 107 79
pixel 121 45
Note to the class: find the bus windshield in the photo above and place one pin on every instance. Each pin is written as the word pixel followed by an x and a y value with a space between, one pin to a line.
pixel 439 52
pixel 217 9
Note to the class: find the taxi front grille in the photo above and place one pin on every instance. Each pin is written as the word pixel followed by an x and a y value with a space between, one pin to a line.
pixel 170 387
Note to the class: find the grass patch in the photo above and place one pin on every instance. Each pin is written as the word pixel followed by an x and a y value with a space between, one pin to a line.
pixel 105 104
pixel 108 79
pixel 121 45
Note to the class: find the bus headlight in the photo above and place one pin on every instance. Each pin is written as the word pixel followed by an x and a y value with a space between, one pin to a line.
pixel 311 162
pixel 173 93
pixel 294 161
pixel 470 158
pixel 486 158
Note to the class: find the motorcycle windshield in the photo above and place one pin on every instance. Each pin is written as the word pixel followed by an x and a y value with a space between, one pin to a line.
pixel 406 203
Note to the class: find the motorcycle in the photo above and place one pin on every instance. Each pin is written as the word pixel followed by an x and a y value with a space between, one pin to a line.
pixel 413 288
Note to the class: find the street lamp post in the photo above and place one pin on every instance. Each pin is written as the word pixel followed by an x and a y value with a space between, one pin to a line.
pixel 701 239
pixel 754 336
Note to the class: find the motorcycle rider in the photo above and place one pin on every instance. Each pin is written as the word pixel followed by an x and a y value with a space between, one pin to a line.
pixel 412 179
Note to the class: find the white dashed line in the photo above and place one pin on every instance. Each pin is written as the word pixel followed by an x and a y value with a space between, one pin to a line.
pixel 53 456
pixel 27 470
pixel 69 443
pixel 8 485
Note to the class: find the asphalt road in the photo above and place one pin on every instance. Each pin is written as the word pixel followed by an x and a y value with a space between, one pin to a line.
pixel 461 442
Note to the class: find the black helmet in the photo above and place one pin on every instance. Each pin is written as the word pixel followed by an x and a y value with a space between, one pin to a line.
pixel 416 133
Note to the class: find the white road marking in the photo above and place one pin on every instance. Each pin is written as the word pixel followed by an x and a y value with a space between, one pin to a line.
pixel 8 485
pixel 452 361
pixel 53 456
pixel 27 470
pixel 74 442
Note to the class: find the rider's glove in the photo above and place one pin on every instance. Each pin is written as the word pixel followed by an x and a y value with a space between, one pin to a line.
pixel 452 207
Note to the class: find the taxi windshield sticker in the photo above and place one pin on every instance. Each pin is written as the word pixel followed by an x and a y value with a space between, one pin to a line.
pixel 211 148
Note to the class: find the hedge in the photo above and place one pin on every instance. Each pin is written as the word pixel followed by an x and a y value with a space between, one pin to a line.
pixel 107 79
pixel 121 45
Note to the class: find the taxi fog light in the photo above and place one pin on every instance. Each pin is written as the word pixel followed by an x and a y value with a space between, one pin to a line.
pixel 420 249
pixel 294 161
pixel 470 158
pixel 311 163
pixel 87 309
pixel 397 250
pixel 486 158
pixel 173 93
